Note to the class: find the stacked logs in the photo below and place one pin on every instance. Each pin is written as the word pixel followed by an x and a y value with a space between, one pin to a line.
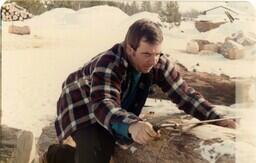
pixel 13 12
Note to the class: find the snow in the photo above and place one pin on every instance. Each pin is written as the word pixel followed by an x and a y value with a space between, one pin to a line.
pixel 61 40
pixel 214 151
pixel 247 7
pixel 214 63
pixel 228 29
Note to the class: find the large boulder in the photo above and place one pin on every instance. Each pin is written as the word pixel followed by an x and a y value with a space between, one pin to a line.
pixel 232 50
pixel 15 145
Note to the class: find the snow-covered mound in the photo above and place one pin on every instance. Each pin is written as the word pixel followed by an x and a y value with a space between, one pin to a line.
pixel 100 16
pixel 146 15
pixel 53 17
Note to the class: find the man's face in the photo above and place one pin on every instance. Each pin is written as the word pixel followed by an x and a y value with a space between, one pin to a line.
pixel 145 57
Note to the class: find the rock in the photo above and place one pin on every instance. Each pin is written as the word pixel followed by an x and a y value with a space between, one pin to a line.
pixel 192 47
pixel 211 86
pixel 15 145
pixel 232 50
pixel 24 30
pixel 204 26
pixel 211 47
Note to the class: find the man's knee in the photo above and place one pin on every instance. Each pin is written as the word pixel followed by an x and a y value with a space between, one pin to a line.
pixel 60 153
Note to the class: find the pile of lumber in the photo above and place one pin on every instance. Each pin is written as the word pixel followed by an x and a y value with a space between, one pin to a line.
pixel 13 12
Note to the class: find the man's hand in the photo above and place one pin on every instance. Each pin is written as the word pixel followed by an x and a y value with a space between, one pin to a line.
pixel 142 132
pixel 230 123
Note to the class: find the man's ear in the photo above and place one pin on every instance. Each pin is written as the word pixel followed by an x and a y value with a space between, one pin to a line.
pixel 129 49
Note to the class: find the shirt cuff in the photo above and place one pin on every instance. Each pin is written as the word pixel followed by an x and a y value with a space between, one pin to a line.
pixel 121 129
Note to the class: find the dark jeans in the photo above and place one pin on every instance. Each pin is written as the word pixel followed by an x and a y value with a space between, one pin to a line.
pixel 94 144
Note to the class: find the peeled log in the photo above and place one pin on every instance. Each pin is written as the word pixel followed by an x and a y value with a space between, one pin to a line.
pixel 195 144
pixel 232 50
pixel 192 47
pixel 200 144
pixel 15 145
pixel 219 90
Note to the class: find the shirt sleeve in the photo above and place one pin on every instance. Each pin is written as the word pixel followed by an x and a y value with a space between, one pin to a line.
pixel 105 94
pixel 187 99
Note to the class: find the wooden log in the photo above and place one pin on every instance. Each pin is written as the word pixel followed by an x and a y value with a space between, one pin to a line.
pixel 192 47
pixel 15 17
pixel 7 7
pixel 20 30
pixel 232 50
pixel 15 145
pixel 195 144
pixel 201 144
pixel 219 90
pixel 201 43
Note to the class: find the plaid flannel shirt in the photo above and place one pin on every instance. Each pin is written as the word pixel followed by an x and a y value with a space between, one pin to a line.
pixel 93 94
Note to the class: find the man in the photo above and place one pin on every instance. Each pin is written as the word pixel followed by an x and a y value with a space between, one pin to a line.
pixel 100 103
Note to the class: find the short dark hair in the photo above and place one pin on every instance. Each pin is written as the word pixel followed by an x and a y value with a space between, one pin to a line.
pixel 146 29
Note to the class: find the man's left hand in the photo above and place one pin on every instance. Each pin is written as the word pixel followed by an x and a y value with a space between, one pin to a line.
pixel 229 123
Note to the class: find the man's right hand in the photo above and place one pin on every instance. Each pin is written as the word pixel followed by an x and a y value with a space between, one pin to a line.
pixel 142 132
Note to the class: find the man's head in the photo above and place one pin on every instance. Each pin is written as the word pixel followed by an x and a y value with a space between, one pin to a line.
pixel 143 44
